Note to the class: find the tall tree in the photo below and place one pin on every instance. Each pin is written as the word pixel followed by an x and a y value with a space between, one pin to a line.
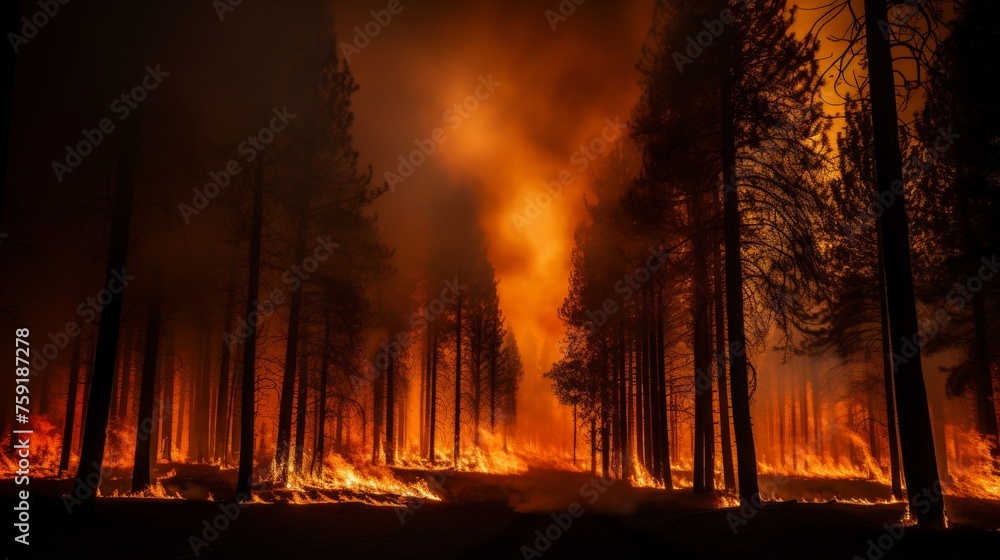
pixel 102 384
pixel 916 439
pixel 145 440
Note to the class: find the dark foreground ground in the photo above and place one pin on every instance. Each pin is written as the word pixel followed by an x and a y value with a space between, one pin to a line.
pixel 488 516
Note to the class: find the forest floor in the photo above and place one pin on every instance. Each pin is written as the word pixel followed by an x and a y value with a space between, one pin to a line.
pixel 495 516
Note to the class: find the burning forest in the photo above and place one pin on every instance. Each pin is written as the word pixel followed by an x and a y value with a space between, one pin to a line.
pixel 394 279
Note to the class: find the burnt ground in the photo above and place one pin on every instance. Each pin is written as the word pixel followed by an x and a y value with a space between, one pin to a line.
pixel 491 516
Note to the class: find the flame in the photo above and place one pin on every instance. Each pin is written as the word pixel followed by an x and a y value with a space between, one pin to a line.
pixel 492 457
pixel 342 481
pixel 45 447
pixel 156 490
pixel 974 474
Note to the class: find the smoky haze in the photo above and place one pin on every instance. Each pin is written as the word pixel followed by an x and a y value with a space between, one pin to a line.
pixel 556 90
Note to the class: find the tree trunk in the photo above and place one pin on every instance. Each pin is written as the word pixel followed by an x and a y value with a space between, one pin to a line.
pixel 458 381
pixel 493 382
pixel 887 379
pixel 872 434
pixel 640 387
pixel 123 395
pixel 236 410
pixel 647 386
pixel 203 406
pixel 74 382
pixel 817 405
pixel 282 450
pixel 623 432
pixel 379 408
pixel 181 400
pixel 661 397
pixel 916 439
pixel 746 454
pixel 142 467
pixel 168 401
pixel 781 419
pixel 574 434
pixel 99 405
pixel 88 376
pixel 794 421
pixel 222 395
pixel 425 369
pixel 728 473
pixel 340 426
pixel 302 407
pixel 704 442
pixel 605 411
pixel 432 427
pixel 319 454
pixel 593 446
pixel 390 410
pixel 244 481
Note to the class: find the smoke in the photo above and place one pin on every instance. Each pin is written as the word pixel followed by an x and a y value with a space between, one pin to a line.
pixel 552 93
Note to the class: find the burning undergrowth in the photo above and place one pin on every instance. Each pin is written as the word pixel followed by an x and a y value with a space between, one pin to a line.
pixel 342 481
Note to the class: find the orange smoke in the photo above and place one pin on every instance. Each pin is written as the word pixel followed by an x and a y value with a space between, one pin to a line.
pixel 557 88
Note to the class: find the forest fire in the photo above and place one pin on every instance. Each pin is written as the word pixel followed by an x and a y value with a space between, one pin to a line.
pixel 501 279
pixel 341 481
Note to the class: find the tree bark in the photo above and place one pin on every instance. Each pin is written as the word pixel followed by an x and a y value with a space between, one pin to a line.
pixel 661 397
pixel 302 406
pixel 746 454
pixel 74 382
pixel 432 427
pixel 319 454
pixel 106 354
pixel 222 395
pixel 887 379
pixel 203 406
pixel 704 442
pixel 144 438
pixel 916 439
pixel 458 381
pixel 244 481
pixel 124 393
pixel 728 473
pixel 623 433
pixel 390 411
pixel 282 450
